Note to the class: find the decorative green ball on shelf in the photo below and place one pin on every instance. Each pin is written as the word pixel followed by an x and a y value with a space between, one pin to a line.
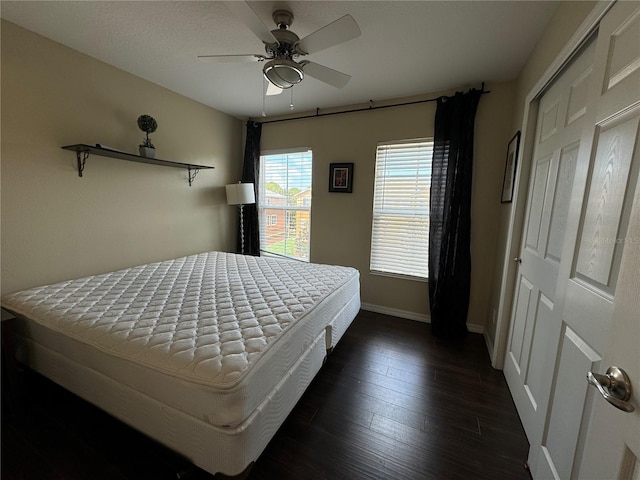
pixel 147 124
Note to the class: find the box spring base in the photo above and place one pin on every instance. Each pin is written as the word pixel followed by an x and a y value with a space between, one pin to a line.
pixel 228 451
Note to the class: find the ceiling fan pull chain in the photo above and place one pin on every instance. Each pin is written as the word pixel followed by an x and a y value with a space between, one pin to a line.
pixel 291 104
pixel 264 96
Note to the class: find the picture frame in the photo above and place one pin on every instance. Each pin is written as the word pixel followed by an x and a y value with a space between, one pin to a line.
pixel 341 177
pixel 510 166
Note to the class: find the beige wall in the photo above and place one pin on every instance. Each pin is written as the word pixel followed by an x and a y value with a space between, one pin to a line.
pixel 56 225
pixel 341 223
pixel 566 20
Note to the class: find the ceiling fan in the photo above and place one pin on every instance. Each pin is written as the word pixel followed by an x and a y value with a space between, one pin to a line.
pixel 283 47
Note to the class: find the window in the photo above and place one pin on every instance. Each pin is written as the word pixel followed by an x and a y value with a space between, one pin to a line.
pixel 284 205
pixel 400 234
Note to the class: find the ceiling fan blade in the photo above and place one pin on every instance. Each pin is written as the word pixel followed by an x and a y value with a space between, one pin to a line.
pixel 273 90
pixel 248 57
pixel 246 15
pixel 325 74
pixel 339 31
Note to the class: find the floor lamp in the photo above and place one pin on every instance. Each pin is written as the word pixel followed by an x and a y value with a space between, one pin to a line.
pixel 241 194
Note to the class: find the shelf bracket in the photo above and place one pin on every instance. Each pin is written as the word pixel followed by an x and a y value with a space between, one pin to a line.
pixel 193 171
pixel 82 159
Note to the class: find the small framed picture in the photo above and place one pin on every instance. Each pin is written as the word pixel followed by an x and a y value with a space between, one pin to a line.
pixel 510 169
pixel 341 177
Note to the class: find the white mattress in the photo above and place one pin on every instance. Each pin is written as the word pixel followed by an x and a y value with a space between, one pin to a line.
pixel 209 335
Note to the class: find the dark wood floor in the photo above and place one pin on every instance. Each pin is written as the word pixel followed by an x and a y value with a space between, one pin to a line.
pixel 391 402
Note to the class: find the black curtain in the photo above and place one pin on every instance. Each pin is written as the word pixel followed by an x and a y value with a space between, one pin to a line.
pixel 251 174
pixel 450 214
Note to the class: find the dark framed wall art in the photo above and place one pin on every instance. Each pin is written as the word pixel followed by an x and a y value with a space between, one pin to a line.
pixel 510 169
pixel 341 177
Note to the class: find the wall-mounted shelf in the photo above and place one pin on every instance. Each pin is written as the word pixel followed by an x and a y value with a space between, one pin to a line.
pixel 83 151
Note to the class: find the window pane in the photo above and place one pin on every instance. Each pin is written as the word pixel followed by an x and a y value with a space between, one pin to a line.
pixel 284 205
pixel 400 234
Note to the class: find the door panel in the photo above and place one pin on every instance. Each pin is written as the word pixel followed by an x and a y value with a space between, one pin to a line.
pixel 549 123
pixel 532 340
pixel 537 377
pixel 596 254
pixel 561 438
pixel 612 445
pixel 525 292
pixel 613 437
pixel 540 182
pixel 578 96
pixel 603 214
pixel 610 186
pixel 623 60
pixel 561 199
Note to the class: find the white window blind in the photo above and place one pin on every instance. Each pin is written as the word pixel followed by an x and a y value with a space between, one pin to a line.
pixel 400 235
pixel 284 204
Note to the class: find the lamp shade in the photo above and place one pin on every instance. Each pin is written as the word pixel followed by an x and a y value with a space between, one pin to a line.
pixel 240 194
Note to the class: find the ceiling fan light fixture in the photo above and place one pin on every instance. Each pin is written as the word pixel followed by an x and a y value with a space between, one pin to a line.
pixel 283 73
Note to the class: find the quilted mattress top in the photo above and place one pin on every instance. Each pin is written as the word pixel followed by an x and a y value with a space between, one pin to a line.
pixel 205 317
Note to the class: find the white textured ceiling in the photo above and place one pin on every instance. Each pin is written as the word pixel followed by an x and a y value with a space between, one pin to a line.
pixel 406 48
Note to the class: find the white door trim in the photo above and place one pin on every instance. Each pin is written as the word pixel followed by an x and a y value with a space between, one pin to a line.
pixel 516 218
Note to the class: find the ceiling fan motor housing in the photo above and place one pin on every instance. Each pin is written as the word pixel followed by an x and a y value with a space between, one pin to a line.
pixel 283 71
pixel 285 46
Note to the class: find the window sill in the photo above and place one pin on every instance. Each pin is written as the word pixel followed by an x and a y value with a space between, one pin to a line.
pixel 266 253
pixel 399 276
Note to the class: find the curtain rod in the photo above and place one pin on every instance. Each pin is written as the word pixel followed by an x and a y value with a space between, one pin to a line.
pixel 363 109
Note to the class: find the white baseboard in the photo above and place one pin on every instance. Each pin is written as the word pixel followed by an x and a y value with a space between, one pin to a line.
pixel 489 343
pixel 419 317
pixel 395 312
pixel 473 328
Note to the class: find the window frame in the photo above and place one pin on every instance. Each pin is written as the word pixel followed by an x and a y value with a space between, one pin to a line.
pixel 377 214
pixel 287 209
